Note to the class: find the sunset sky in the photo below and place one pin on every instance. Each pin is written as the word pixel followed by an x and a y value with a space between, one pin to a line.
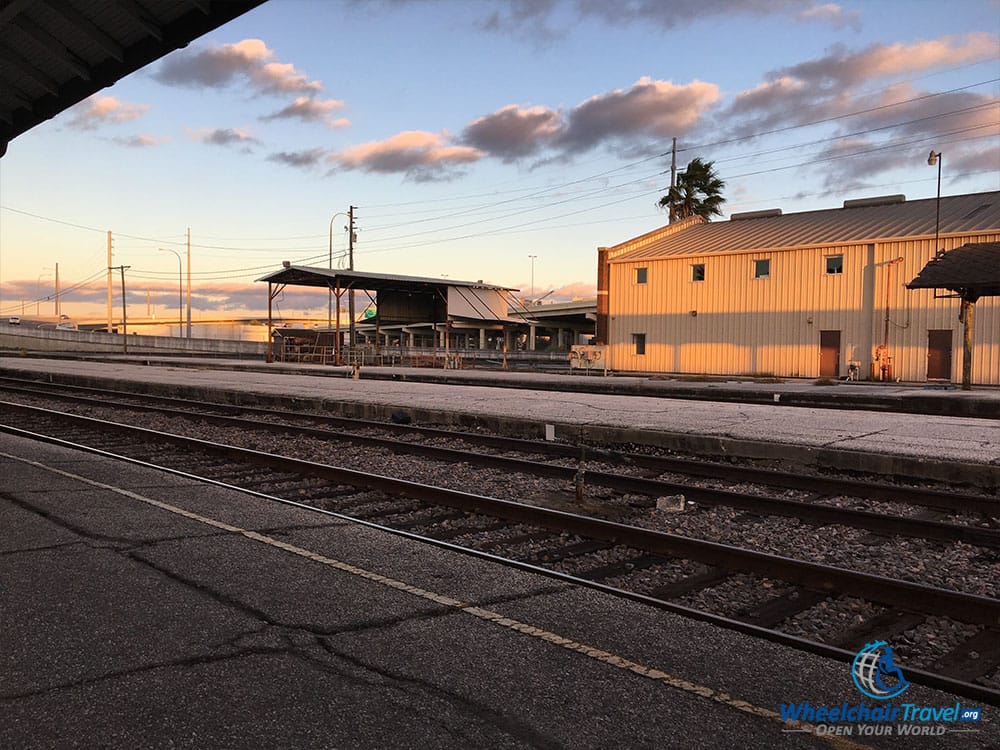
pixel 472 135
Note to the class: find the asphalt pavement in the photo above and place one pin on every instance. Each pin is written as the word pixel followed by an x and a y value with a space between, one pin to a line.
pixel 142 609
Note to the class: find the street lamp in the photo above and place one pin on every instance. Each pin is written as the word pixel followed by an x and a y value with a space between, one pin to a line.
pixel 532 275
pixel 180 290
pixel 329 307
pixel 936 158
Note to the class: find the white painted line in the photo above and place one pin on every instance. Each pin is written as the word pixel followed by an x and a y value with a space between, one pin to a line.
pixel 605 657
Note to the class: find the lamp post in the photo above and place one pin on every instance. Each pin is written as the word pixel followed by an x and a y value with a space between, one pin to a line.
pixel 936 158
pixel 329 307
pixel 180 290
pixel 532 276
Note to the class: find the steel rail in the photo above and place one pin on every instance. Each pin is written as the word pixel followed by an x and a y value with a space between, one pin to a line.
pixel 883 492
pixel 830 580
pixel 812 512
pixel 920 676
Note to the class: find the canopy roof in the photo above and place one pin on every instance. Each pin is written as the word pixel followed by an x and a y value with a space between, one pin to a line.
pixel 55 53
pixel 971 271
pixel 330 278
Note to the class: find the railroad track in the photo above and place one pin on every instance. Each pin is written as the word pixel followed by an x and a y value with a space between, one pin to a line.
pixel 622 473
pixel 666 570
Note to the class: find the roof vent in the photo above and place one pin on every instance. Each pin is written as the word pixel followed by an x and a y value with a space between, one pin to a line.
pixel 767 212
pixel 882 200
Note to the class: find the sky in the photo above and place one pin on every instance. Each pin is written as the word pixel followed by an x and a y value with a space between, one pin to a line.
pixel 478 140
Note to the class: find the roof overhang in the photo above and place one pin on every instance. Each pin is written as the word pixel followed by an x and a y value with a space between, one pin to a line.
pixel 333 278
pixel 56 53
pixel 970 271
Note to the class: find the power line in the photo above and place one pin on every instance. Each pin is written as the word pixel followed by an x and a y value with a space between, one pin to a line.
pixel 579 195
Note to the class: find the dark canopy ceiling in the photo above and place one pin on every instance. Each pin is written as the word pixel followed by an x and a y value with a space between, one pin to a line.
pixel 55 53
pixel 971 271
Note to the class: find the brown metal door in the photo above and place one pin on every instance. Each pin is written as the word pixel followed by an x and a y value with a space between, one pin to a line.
pixel 939 355
pixel 829 354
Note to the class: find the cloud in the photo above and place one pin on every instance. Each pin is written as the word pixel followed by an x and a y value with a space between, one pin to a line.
pixel 104 110
pixel 826 87
pixel 224 137
pixel 512 132
pixel 305 159
pixel 656 109
pixel 534 17
pixel 310 109
pixel 832 14
pixel 648 111
pixel 141 141
pixel 422 156
pixel 848 163
pixel 577 290
pixel 249 61
pixel 843 69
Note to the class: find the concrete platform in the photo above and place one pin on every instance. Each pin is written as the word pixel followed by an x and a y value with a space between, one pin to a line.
pixel 140 609
pixel 919 446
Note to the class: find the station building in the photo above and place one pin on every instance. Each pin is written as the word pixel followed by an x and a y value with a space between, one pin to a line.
pixel 812 294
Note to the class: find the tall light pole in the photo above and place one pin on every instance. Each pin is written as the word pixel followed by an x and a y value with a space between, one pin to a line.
pixel 532 275
pixel 180 290
pixel 329 307
pixel 935 158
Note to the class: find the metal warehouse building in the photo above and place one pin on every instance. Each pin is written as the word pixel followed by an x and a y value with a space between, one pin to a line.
pixel 812 294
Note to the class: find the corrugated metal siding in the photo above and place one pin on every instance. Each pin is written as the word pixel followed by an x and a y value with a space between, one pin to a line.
pixel 772 326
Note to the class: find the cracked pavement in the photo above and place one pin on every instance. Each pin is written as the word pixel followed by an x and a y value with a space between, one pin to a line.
pixel 125 625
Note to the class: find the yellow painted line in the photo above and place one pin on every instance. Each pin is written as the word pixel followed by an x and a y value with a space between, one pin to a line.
pixel 605 657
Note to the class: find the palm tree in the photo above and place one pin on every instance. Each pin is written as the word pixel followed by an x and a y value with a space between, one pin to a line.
pixel 697 192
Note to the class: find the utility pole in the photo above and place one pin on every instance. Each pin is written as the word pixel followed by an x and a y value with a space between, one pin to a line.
pixel 350 261
pixel 58 308
pixel 109 281
pixel 123 269
pixel 189 282
pixel 673 177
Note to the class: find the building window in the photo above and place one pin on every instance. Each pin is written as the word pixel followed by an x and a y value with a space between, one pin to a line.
pixel 641 274
pixel 834 264
pixel 762 269
pixel 639 342
pixel 697 272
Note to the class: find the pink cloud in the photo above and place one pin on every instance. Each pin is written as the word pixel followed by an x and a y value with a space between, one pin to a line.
pixel 648 108
pixel 104 110
pixel 310 109
pixel 249 59
pixel 419 154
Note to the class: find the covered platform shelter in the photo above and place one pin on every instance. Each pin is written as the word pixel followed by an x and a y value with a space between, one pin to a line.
pixel 558 325
pixel 405 306
pixel 968 273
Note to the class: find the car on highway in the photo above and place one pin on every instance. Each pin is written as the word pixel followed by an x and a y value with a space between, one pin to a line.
pixel 14 320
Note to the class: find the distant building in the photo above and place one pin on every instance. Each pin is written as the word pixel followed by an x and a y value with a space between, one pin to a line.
pixel 812 294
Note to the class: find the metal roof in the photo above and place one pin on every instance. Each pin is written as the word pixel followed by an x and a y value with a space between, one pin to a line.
pixel 882 221
pixel 972 271
pixel 55 53
pixel 328 278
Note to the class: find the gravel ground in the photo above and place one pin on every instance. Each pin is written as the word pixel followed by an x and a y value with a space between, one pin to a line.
pixel 958 566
